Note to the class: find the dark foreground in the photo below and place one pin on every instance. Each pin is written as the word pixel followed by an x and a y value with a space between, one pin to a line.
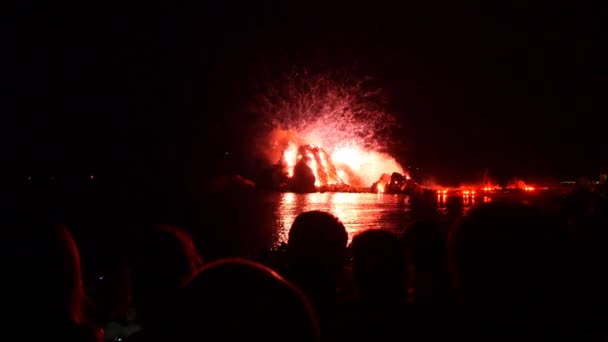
pixel 507 267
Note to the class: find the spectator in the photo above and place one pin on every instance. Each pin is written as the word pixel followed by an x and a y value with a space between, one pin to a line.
pixel 44 284
pixel 238 300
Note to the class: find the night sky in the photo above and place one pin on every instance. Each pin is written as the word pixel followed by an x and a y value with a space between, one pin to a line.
pixel 158 93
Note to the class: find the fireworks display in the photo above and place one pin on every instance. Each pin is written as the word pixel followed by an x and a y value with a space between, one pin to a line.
pixel 330 132
pixel 334 125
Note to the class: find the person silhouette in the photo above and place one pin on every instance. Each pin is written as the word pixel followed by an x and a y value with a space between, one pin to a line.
pixel 237 299
pixel 380 271
pixel 43 283
pixel 162 260
pixel 316 255
pixel 508 274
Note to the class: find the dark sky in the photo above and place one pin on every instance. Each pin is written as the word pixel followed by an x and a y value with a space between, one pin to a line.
pixel 160 91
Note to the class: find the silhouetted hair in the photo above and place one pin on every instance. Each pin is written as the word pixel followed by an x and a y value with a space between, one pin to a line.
pixel 44 275
pixel 162 262
pixel 237 299
pixel 424 206
pixel 379 264
pixel 426 245
pixel 454 205
pixel 503 252
pixel 317 242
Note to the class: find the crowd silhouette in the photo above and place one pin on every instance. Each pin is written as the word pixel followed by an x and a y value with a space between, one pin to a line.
pixel 504 271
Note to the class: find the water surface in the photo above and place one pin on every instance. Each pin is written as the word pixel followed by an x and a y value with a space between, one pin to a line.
pixel 242 224
pixel 358 211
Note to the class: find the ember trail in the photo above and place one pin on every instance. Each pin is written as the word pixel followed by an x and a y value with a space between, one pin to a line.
pixel 325 132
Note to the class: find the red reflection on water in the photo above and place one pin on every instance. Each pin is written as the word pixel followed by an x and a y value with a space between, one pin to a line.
pixel 468 197
pixel 357 211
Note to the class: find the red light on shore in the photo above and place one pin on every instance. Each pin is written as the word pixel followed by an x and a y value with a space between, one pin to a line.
pixel 445 192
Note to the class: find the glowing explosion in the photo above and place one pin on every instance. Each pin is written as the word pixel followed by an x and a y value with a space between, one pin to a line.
pixel 332 124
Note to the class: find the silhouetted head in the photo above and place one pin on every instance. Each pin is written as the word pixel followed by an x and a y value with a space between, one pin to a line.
pixel 237 299
pixel 503 256
pixel 454 206
pixel 44 279
pixel 580 203
pixel 424 206
pixel 425 245
pixel 379 265
pixel 317 243
pixel 165 258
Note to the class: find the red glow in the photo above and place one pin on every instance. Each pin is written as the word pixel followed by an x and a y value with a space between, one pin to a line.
pixel 520 184
pixel 337 113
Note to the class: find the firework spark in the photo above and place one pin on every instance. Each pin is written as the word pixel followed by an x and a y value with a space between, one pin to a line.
pixel 339 116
